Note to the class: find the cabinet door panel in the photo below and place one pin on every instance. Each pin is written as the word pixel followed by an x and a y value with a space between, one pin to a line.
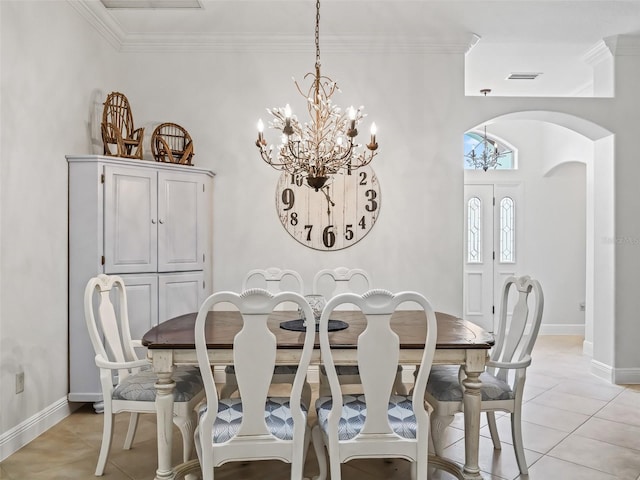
pixel 130 214
pixel 179 294
pixel 180 210
pixel 142 303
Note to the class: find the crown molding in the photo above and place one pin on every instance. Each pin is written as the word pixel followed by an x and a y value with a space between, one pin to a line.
pixel 234 43
pixel 100 19
pixel 597 54
pixel 623 45
pixel 102 23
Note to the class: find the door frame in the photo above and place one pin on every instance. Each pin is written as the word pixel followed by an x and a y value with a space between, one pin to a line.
pixel 487 301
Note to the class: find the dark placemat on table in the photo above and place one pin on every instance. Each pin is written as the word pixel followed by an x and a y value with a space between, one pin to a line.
pixel 298 326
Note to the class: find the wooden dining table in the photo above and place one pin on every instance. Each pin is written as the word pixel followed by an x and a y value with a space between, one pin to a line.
pixel 459 342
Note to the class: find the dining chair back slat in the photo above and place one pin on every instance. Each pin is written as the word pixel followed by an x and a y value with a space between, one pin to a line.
pixel 378 423
pixel 255 426
pixel 335 281
pixel 274 280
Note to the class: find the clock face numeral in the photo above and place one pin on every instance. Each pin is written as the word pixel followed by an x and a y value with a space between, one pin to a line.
pixel 288 198
pixel 372 206
pixel 348 232
pixel 328 237
pixel 335 217
pixel 297 179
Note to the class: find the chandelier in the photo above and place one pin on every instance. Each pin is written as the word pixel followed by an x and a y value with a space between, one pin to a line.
pixel 485 154
pixel 324 145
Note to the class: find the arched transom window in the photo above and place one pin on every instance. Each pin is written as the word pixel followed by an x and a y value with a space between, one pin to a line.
pixel 474 141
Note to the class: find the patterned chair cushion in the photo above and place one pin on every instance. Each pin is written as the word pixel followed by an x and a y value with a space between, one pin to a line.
pixel 277 414
pixel 443 385
pixel 354 413
pixel 141 386
pixel 278 369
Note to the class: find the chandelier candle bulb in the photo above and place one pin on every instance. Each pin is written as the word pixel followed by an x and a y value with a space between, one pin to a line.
pixel 261 140
pixel 288 129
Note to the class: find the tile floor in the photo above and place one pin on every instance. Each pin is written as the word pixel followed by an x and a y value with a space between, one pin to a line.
pixel 575 427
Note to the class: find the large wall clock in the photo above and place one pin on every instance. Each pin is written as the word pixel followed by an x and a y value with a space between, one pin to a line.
pixel 334 217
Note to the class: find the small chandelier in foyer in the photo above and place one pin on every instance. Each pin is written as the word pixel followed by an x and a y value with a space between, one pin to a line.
pixel 323 146
pixel 486 154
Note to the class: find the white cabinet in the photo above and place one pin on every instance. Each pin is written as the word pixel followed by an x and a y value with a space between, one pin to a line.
pixel 153 220
pixel 150 223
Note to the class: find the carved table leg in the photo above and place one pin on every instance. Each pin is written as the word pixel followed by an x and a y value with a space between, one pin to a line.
pixel 473 367
pixel 163 366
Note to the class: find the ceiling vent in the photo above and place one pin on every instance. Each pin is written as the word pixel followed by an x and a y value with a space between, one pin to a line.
pixel 151 4
pixel 523 76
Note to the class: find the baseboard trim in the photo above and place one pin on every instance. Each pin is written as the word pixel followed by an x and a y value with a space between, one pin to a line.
pixel 587 348
pixel 562 329
pixel 601 370
pixel 626 376
pixel 14 439
pixel 618 376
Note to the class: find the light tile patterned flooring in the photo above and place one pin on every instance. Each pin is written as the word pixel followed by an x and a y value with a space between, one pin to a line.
pixel 575 427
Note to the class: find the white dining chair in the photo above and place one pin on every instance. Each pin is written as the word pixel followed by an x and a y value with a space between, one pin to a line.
pixel 504 378
pixel 128 383
pixel 376 423
pixel 254 426
pixel 274 280
pixel 334 281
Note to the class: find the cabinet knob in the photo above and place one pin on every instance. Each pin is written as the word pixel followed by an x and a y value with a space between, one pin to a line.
pixel 153 221
pixel 161 221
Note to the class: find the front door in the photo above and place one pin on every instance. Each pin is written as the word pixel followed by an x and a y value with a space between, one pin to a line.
pixel 493 229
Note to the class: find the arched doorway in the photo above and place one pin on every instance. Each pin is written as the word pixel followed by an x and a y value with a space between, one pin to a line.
pixel 592 148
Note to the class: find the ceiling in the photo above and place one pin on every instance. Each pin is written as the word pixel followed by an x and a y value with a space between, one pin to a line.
pixel 556 38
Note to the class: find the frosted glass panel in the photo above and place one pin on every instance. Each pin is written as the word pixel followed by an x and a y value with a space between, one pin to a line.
pixel 474 230
pixel 507 230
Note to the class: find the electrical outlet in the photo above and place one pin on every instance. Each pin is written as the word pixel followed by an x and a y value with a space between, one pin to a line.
pixel 19 382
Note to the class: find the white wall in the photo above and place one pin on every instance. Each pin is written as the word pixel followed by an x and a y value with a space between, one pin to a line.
pixel 50 69
pixel 220 100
